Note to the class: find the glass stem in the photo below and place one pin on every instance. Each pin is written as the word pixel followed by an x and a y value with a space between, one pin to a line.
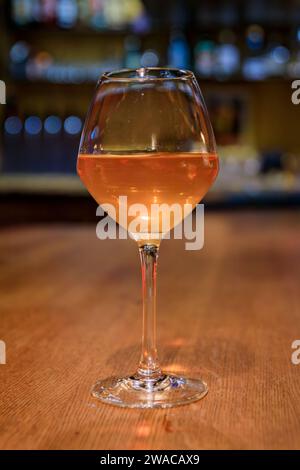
pixel 148 366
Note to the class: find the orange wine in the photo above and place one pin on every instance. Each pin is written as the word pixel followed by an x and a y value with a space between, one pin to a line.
pixel 148 178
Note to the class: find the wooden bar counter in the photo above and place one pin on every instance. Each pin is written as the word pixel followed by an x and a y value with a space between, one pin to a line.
pixel 70 313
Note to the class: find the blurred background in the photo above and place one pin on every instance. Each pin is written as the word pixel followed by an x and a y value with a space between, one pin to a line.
pixel 244 54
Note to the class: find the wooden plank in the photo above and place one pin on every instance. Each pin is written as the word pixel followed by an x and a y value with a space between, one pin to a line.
pixel 71 313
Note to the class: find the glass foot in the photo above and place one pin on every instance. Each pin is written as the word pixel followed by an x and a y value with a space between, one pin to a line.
pixel 164 391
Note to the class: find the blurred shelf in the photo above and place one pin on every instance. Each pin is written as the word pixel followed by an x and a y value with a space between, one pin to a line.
pixel 43 83
pixel 263 198
pixel 70 185
pixel 39 30
pixel 158 27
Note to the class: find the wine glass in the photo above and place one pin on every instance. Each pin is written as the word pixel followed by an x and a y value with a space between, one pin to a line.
pixel 148 138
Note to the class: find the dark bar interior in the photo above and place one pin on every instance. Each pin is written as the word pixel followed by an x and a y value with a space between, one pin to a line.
pixel 244 54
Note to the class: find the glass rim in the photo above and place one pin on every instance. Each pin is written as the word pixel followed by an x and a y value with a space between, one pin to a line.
pixel 147 74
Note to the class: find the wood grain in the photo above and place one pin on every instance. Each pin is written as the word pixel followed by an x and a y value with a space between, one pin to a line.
pixel 71 313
